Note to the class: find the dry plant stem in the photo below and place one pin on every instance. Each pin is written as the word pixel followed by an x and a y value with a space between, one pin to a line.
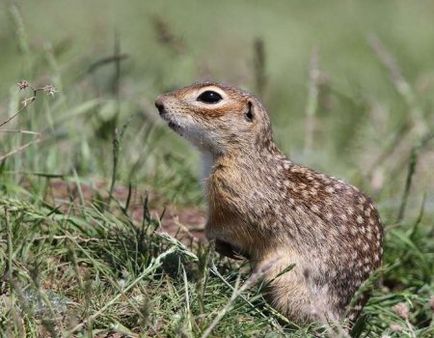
pixel 187 299
pixel 312 101
pixel 127 202
pixel 118 134
pixel 31 100
pixel 204 277
pixel 389 150
pixel 109 59
pixel 411 170
pixel 419 218
pixel 415 125
pixel 20 131
pixel 116 141
pixel 21 35
pixel 68 237
pixel 10 250
pixel 24 85
pixel 401 84
pixel 166 35
pixel 20 148
pixel 259 66
pixel 390 63
pixel 117 70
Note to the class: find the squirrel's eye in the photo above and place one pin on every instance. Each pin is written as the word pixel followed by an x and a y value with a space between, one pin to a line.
pixel 209 96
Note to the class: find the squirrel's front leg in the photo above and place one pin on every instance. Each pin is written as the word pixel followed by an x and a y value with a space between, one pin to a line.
pixel 224 247
pixel 228 250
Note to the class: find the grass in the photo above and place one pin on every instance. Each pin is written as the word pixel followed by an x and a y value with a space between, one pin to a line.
pixel 88 175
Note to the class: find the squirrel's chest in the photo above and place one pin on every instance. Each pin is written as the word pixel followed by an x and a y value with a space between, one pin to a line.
pixel 227 192
pixel 233 196
pixel 237 212
pixel 228 219
pixel 224 198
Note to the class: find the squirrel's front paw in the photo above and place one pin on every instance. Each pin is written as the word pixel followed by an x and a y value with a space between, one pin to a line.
pixel 228 250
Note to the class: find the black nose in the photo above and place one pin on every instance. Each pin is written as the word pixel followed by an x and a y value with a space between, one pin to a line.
pixel 160 106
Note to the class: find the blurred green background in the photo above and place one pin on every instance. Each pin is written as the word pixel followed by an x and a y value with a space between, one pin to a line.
pixel 168 44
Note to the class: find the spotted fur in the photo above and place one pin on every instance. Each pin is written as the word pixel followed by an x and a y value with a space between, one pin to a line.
pixel 269 209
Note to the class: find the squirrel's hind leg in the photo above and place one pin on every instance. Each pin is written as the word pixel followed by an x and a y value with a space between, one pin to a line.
pixel 293 294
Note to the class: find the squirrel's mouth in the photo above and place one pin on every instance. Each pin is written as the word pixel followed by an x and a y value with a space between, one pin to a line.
pixel 176 127
pixel 173 125
pixel 166 116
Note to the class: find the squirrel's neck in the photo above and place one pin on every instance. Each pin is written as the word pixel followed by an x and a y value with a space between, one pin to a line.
pixel 241 158
pixel 208 160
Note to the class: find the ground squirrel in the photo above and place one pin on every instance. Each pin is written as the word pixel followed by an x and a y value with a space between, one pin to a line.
pixel 275 212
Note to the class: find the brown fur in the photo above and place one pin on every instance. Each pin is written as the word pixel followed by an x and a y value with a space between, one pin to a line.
pixel 269 209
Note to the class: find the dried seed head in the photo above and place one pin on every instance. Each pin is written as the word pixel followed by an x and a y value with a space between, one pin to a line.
pixel 401 309
pixel 23 84
pixel 49 90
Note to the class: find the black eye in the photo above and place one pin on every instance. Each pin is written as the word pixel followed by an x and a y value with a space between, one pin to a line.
pixel 209 96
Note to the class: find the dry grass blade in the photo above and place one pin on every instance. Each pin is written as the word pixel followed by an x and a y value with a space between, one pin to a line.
pixel 23 85
pixel 166 35
pixel 401 84
pixel 410 173
pixel 259 66
pixel 20 131
pixel 107 60
pixel 28 101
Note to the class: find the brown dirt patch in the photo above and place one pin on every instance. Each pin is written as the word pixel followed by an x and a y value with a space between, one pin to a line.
pixel 184 223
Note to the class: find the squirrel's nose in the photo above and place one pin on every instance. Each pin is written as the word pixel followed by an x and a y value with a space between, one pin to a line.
pixel 160 105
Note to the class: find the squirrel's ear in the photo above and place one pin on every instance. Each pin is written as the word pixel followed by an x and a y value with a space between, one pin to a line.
pixel 249 115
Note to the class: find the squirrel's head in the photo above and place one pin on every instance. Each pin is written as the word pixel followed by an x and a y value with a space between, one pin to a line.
pixel 216 118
